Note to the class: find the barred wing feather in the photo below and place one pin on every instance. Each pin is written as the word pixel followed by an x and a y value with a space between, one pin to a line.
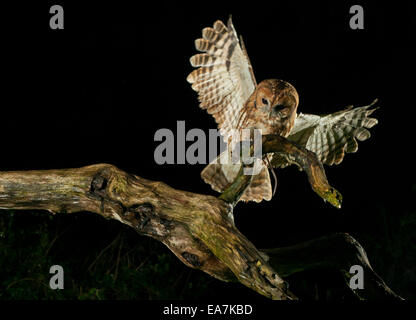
pixel 224 79
pixel 331 136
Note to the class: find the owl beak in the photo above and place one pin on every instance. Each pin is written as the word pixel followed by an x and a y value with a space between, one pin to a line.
pixel 276 115
pixel 277 111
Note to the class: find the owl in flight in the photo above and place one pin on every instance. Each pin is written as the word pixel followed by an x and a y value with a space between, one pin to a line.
pixel 228 90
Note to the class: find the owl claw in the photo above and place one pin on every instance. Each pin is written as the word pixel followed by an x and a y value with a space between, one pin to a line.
pixel 333 197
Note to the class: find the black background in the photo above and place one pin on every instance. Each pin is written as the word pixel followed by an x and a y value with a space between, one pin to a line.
pixel 98 90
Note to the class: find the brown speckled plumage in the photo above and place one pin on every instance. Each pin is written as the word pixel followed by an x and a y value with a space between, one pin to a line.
pixel 227 89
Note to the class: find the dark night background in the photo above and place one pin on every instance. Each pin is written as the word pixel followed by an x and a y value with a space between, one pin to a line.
pixel 98 90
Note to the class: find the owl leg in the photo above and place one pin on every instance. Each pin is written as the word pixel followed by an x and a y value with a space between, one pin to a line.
pixel 269 165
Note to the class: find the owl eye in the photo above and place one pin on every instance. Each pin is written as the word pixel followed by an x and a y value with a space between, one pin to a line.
pixel 265 101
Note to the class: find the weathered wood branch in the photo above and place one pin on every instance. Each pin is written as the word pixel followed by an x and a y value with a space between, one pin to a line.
pixel 198 229
pixel 339 251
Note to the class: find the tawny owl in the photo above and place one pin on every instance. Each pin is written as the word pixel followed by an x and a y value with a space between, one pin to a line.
pixel 227 89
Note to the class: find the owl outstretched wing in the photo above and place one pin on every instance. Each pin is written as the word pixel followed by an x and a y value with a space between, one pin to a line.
pixel 224 79
pixel 332 135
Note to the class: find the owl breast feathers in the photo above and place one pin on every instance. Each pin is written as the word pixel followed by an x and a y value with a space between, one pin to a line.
pixel 227 89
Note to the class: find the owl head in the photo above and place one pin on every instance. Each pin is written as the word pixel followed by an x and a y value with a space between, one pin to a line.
pixel 278 97
pixel 278 101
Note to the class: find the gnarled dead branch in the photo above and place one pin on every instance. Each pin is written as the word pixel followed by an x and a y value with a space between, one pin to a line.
pixel 198 229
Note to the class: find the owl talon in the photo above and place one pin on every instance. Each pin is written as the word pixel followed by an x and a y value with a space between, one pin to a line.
pixel 333 197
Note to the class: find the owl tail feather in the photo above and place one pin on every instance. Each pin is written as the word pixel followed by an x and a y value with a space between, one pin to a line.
pixel 220 176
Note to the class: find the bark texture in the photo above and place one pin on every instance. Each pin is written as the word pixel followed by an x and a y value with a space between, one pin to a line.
pixel 198 229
